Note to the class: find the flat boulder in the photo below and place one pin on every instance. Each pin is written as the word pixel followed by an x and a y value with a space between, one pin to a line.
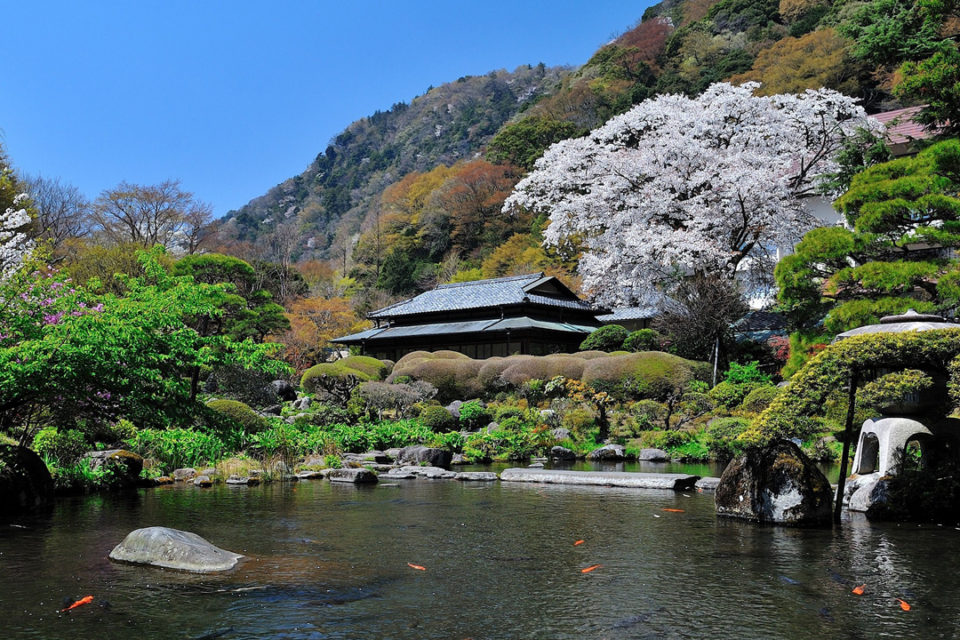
pixel 355 476
pixel 173 549
pixel 476 476
pixel 418 455
pixel 776 484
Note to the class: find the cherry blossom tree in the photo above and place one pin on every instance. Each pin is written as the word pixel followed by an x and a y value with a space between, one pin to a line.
pixel 15 245
pixel 683 185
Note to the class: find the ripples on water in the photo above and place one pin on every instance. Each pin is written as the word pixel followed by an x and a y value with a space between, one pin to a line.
pixel 330 561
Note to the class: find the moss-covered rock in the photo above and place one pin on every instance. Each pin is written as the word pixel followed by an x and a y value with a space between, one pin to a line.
pixel 776 484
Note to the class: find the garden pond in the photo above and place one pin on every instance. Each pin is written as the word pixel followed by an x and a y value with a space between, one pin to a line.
pixel 500 561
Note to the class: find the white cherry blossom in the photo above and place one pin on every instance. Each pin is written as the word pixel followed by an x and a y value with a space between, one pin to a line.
pixel 679 184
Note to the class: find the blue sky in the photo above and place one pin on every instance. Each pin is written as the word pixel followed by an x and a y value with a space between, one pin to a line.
pixel 234 97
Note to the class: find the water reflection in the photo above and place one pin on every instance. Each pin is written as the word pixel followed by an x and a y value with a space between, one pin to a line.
pixel 331 561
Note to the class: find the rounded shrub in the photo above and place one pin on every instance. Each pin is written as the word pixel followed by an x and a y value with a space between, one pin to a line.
pixel 65 447
pixel 437 419
pixel 473 415
pixel 376 369
pixel 759 399
pixel 659 439
pixel 606 338
pixel 721 436
pixel 643 340
pixel 240 414
pixel 729 394
pixel 454 378
pixel 647 375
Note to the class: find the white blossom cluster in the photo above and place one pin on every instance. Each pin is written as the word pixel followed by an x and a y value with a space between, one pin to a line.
pixel 683 184
pixel 15 245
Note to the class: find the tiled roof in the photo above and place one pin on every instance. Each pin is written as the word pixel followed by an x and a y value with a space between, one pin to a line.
pixel 478 295
pixel 900 126
pixel 459 328
pixel 628 313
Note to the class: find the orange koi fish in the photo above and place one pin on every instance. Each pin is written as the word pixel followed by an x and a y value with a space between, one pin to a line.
pixel 578 543
pixel 859 590
pixel 590 568
pixel 416 566
pixel 672 510
pixel 82 601
pixel 903 604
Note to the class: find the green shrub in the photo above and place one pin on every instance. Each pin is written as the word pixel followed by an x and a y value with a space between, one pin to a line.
pixel 721 436
pixel 354 369
pixel 730 395
pixel 473 415
pixel 240 414
pixel 607 338
pixel 437 418
pixel 746 374
pixel 643 340
pixel 660 439
pixel 759 399
pixel 647 375
pixel 376 369
pixel 692 451
pixel 176 448
pixel 65 447
pixel 648 413
pixel 578 421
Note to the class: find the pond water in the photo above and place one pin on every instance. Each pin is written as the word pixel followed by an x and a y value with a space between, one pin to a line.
pixel 331 561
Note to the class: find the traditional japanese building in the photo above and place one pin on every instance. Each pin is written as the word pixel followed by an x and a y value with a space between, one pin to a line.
pixel 531 314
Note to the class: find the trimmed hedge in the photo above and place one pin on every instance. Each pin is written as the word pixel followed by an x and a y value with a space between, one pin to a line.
pixel 363 368
pixel 643 340
pixel 646 375
pixel 239 413
pixel 454 377
pixel 629 376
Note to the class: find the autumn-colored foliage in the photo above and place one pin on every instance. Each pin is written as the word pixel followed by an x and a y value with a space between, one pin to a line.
pixel 313 322
pixel 818 59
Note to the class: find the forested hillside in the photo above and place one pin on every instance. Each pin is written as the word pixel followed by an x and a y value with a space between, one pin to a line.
pixel 403 199
pixel 330 199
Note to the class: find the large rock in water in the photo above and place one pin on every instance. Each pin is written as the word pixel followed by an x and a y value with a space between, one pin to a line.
pixel 125 465
pixel 25 482
pixel 425 455
pixel 776 484
pixel 173 549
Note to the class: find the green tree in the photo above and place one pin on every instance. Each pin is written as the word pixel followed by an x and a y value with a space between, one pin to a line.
pixel 521 143
pixel 68 354
pixel 904 217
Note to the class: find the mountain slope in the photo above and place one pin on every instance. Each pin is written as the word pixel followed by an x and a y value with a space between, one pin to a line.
pixel 453 122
